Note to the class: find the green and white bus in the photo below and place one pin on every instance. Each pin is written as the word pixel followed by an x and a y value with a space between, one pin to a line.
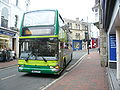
pixel 45 45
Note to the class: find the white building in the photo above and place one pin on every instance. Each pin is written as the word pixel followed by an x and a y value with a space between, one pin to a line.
pixel 95 9
pixel 95 26
pixel 94 31
pixel 11 12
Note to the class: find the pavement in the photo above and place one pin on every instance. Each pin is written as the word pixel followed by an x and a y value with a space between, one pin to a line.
pixel 87 75
pixel 8 64
pixel 114 84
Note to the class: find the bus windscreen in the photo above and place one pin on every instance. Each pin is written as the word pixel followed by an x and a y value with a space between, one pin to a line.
pixel 39 18
pixel 37 31
pixel 37 48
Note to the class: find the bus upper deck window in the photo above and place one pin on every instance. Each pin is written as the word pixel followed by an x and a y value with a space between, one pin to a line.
pixel 27 32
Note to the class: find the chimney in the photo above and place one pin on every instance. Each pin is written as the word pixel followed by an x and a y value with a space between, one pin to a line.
pixel 77 19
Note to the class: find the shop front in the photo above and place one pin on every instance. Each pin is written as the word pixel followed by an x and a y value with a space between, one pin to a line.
pixel 112 51
pixel 94 42
pixel 7 44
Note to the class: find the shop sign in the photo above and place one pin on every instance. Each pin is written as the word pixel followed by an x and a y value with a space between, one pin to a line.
pixel 112 44
pixel 77 45
pixel 6 32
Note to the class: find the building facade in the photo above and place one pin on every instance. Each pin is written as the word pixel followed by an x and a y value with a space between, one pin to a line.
pixel 95 9
pixel 79 33
pixel 110 25
pixel 96 32
pixel 11 12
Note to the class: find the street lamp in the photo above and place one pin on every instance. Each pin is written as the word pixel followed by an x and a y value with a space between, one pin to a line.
pixel 88 42
pixel 86 34
pixel 87 37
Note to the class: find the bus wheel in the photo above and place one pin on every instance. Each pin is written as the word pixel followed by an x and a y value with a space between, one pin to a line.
pixel 58 75
pixel 64 63
pixel 71 57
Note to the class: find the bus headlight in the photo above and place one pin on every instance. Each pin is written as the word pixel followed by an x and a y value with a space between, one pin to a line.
pixel 20 68
pixel 57 67
pixel 18 65
pixel 54 68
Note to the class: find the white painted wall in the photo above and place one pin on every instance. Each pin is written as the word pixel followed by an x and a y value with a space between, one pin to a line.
pixel 94 31
pixel 17 10
pixel 118 52
pixel 14 10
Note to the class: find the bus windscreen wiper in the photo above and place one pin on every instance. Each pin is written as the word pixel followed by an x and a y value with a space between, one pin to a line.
pixel 27 58
pixel 41 56
pixel 44 59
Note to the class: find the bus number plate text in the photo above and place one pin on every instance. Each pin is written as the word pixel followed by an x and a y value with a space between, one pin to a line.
pixel 36 71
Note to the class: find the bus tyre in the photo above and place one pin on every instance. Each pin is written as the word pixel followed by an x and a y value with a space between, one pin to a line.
pixel 64 64
pixel 71 57
pixel 58 75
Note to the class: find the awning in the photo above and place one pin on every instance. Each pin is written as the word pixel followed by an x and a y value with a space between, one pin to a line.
pixel 7 32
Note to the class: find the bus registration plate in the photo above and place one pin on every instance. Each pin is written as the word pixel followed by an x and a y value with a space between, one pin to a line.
pixel 36 71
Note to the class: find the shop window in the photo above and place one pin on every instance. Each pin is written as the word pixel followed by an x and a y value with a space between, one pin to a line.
pixel 77 26
pixel 77 36
pixel 3 44
pixel 4 18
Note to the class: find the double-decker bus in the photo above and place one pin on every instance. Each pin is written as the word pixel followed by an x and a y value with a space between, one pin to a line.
pixel 45 45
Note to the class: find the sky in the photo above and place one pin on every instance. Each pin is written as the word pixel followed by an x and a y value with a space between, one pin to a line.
pixel 70 9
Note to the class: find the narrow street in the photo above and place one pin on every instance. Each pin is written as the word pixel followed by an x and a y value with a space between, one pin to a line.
pixel 11 79
pixel 60 45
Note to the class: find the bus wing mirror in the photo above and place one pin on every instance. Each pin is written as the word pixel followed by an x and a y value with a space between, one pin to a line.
pixel 65 27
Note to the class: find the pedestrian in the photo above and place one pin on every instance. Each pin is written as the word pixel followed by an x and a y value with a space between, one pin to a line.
pixel 99 50
pixel 4 54
pixel 13 54
pixel 8 55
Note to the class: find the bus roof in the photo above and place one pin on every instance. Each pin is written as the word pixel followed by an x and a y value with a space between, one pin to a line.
pixel 42 10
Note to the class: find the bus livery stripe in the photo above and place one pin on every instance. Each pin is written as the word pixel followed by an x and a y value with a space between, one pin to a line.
pixel 37 62
pixel 38 36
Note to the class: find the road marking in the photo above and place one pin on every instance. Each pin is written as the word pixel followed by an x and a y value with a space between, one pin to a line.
pixel 41 88
pixel 63 74
pixel 8 77
pixel 1 69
